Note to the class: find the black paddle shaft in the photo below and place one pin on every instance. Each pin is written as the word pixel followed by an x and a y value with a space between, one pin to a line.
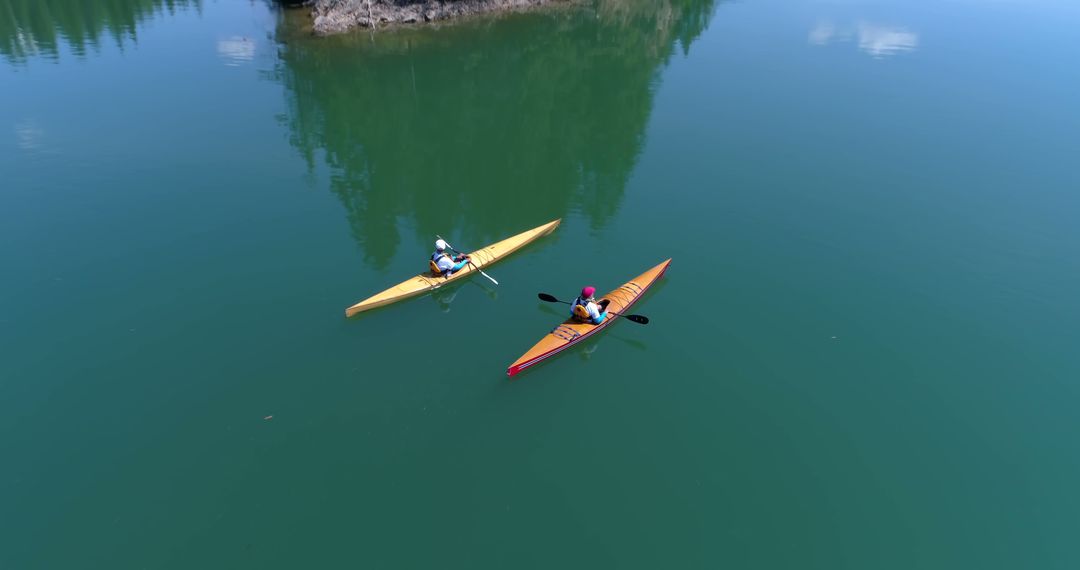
pixel 639 319
pixel 452 248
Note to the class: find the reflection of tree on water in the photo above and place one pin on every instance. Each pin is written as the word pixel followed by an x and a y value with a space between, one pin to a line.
pixel 512 121
pixel 36 27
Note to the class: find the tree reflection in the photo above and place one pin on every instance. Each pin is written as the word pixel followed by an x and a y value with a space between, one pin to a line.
pixel 37 28
pixel 491 126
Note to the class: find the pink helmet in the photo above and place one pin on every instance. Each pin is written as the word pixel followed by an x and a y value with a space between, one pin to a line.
pixel 588 292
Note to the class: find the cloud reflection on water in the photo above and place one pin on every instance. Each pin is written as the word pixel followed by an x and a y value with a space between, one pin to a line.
pixel 822 33
pixel 28 135
pixel 236 50
pixel 879 41
pixel 882 41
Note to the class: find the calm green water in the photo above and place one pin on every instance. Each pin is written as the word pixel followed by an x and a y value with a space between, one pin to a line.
pixel 864 354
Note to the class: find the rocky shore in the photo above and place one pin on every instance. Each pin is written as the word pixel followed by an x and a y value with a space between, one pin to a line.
pixel 333 16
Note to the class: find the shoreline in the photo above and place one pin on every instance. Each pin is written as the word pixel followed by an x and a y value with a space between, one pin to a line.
pixel 337 16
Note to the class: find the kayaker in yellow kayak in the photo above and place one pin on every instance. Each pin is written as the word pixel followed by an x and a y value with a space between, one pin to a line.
pixel 443 263
pixel 586 309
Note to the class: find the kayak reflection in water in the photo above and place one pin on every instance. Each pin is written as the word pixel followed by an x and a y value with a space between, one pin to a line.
pixel 443 298
pixel 443 264
pixel 586 309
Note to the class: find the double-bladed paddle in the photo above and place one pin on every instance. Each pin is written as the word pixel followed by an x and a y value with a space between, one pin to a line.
pixel 639 319
pixel 469 260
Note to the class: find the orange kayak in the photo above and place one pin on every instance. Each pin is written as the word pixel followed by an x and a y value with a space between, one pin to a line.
pixel 572 331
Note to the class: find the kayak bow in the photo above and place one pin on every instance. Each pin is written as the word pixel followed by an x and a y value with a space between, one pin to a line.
pixel 572 331
pixel 426 282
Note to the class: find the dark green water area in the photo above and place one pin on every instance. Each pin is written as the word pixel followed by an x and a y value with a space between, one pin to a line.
pixel 865 355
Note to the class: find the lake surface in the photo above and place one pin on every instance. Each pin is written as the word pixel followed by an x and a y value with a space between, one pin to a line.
pixel 864 355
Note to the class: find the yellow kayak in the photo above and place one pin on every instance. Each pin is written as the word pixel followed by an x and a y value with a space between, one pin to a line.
pixel 426 281
pixel 572 331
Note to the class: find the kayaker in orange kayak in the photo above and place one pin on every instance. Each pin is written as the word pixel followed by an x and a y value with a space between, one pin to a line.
pixel 443 263
pixel 586 309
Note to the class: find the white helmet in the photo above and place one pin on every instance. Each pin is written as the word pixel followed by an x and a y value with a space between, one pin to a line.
pixel 440 245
